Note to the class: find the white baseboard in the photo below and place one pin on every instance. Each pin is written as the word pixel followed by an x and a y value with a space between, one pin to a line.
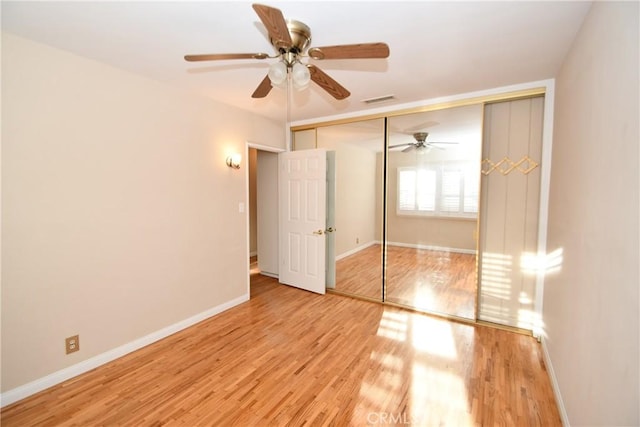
pixel 433 248
pixel 554 385
pixel 405 245
pixel 275 276
pixel 62 375
pixel 356 250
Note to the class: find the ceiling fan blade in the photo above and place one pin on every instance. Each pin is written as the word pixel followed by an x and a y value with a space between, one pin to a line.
pixel 401 145
pixel 441 142
pixel 327 83
pixel 223 56
pixel 351 51
pixel 411 147
pixel 263 88
pixel 275 23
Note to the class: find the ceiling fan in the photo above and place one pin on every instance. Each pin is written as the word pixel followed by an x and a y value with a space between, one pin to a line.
pixel 290 39
pixel 420 143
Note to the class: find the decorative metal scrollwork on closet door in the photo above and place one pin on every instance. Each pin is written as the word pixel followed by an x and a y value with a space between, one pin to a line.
pixel 505 166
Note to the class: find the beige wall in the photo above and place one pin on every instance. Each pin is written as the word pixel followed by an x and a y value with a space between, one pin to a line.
pixel 355 193
pixel 591 304
pixel 119 217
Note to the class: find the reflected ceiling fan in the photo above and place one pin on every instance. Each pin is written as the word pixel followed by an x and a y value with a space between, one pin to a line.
pixel 290 39
pixel 420 143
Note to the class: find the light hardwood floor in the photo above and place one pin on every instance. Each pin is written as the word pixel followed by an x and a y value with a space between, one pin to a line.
pixel 290 357
pixel 434 281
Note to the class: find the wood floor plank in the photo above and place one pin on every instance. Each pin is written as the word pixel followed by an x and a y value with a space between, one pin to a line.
pixel 290 357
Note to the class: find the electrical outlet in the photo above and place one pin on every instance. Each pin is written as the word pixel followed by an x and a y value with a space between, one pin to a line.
pixel 357 240
pixel 72 344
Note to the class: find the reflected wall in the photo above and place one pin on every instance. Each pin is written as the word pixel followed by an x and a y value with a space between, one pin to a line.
pixel 357 148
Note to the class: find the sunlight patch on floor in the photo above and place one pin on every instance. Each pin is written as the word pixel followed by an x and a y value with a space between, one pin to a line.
pixel 387 361
pixel 393 325
pixel 438 396
pixel 424 298
pixel 433 336
pixel 379 385
pixel 425 388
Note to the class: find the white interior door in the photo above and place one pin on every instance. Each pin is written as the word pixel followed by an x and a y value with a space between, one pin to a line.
pixel 302 194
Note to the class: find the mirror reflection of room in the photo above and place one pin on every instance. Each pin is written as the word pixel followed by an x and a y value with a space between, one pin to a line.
pixel 432 180
pixel 357 205
pixel 433 177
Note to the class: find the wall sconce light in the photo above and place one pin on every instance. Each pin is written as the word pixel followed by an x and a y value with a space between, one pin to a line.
pixel 233 161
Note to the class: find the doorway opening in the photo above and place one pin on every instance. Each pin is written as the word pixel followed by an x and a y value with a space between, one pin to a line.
pixel 262 218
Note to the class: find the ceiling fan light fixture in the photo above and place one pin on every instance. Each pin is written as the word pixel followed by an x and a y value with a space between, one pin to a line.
pixel 298 86
pixel 423 149
pixel 300 75
pixel 278 74
pixel 291 38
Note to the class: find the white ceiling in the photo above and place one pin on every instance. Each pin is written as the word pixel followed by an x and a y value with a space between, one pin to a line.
pixel 437 48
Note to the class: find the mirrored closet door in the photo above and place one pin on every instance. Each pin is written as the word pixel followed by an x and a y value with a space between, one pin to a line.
pixel 433 181
pixel 436 209
pixel 356 156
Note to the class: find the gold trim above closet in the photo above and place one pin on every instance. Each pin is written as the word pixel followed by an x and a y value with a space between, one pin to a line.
pixel 505 166
pixel 485 99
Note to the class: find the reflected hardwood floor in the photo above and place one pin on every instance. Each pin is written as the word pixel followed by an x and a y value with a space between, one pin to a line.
pixel 291 357
pixel 361 273
pixel 435 281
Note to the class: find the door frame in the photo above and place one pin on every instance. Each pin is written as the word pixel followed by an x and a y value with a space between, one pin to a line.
pixel 261 147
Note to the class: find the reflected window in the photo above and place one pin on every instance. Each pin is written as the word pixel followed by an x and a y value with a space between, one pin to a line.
pixel 438 189
pixel 416 190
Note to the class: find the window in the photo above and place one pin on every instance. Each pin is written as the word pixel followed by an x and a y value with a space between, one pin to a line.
pixel 439 189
